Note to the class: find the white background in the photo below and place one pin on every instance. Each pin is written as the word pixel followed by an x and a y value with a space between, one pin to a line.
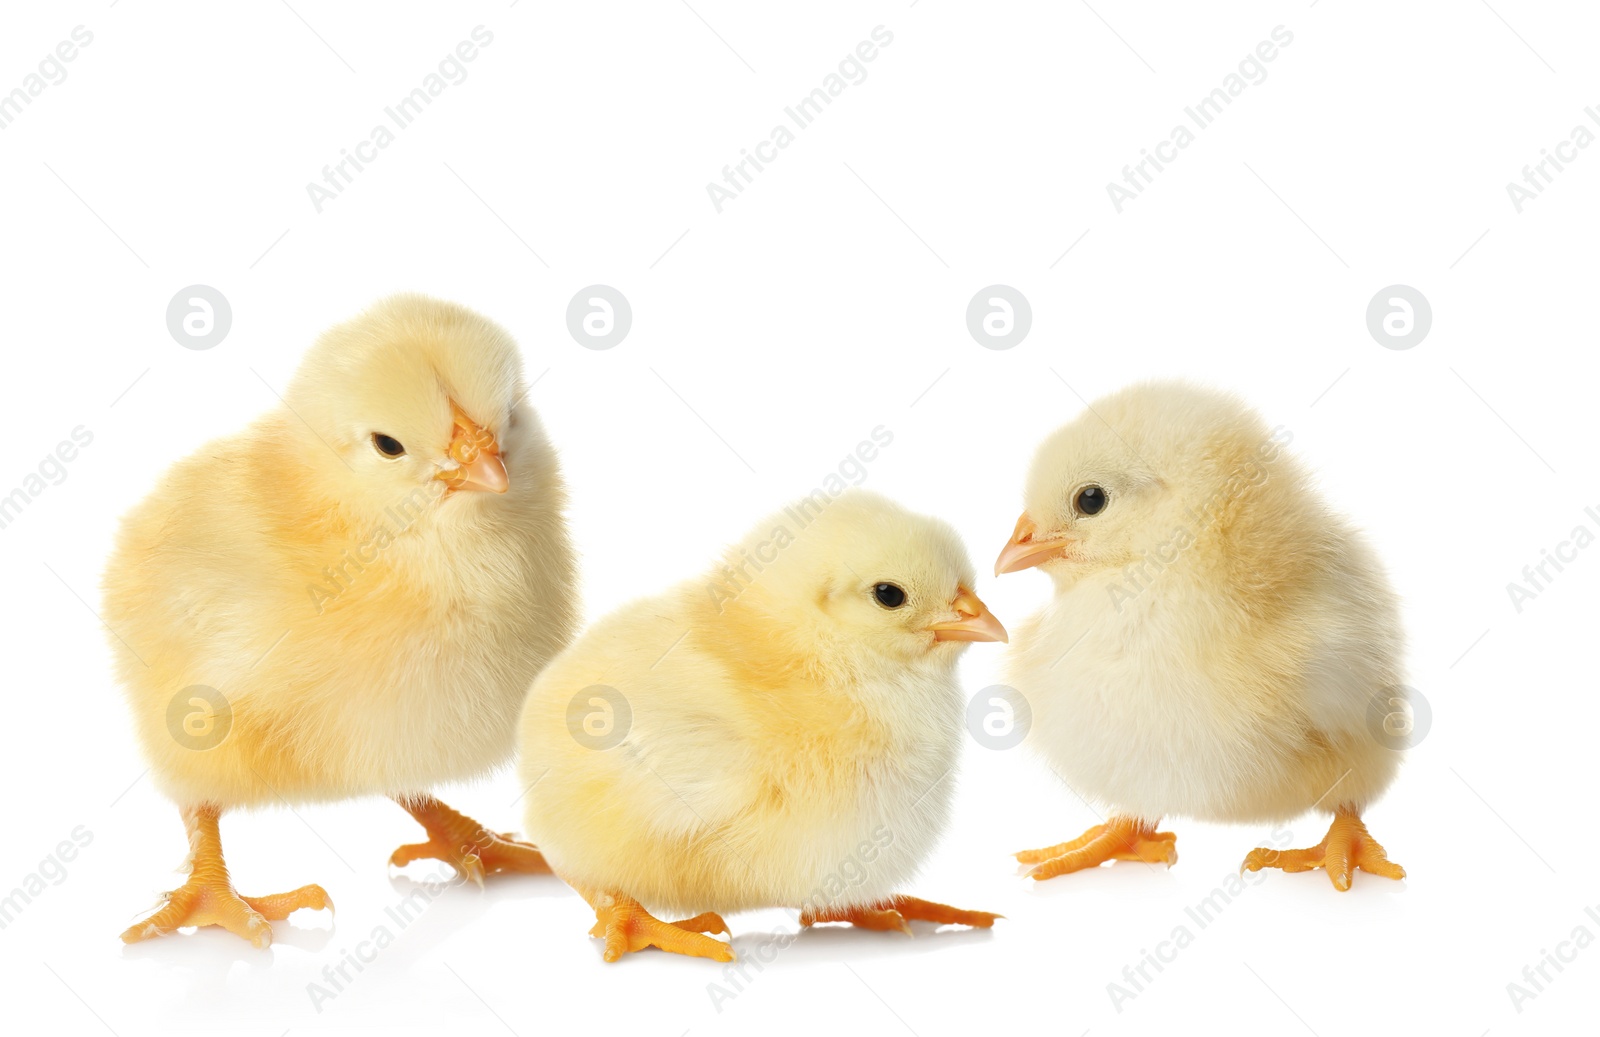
pixel 767 340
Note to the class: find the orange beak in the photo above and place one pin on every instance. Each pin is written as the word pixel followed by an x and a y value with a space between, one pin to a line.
pixel 477 454
pixel 1024 552
pixel 977 623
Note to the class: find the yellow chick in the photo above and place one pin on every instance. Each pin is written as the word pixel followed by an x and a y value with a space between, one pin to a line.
pixel 779 732
pixel 1220 643
pixel 348 597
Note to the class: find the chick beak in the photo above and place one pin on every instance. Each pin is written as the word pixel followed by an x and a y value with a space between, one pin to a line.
pixel 977 623
pixel 477 455
pixel 1022 551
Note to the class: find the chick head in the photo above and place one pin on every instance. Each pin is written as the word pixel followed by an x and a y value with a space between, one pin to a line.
pixel 1152 468
pixel 859 577
pixel 414 401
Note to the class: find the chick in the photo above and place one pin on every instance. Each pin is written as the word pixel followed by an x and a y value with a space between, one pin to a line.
pixel 349 597
pixel 778 732
pixel 1219 639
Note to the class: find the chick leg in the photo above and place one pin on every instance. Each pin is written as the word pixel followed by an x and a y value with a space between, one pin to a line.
pixel 1346 847
pixel 1119 839
pixel 897 914
pixel 208 898
pixel 470 848
pixel 626 926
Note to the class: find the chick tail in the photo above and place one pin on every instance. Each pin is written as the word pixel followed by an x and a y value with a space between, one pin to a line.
pixel 1348 846
pixel 208 897
pixel 897 915
pixel 626 926
pixel 1119 839
pixel 464 844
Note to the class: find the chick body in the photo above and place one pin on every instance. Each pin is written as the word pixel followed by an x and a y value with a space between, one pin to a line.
pixel 244 571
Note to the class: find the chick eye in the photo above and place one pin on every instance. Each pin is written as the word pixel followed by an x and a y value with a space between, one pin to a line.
pixel 889 596
pixel 388 446
pixel 1091 500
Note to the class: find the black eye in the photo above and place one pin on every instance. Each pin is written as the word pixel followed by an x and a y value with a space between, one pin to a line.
pixel 388 446
pixel 1091 500
pixel 889 596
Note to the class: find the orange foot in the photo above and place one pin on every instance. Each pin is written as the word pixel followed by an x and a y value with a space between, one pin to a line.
pixel 208 898
pixel 626 926
pixel 1120 839
pixel 897 914
pixel 465 845
pixel 1347 846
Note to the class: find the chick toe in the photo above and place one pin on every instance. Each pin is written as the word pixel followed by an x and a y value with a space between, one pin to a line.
pixel 208 897
pixel 1120 839
pixel 464 844
pixel 626 926
pixel 882 920
pixel 1348 846
pixel 898 915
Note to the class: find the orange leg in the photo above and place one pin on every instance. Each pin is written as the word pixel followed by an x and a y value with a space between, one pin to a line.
pixel 208 898
pixel 897 914
pixel 626 926
pixel 1346 847
pixel 471 849
pixel 1119 839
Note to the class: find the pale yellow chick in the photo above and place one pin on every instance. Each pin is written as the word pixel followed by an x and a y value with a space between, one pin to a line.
pixel 1221 645
pixel 347 598
pixel 778 732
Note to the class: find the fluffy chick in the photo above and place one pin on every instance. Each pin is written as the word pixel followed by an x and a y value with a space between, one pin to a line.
pixel 1220 644
pixel 778 732
pixel 348 597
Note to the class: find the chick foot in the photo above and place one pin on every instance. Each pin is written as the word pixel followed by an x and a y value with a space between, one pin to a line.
pixel 626 926
pixel 208 897
pixel 464 844
pixel 1346 847
pixel 898 914
pixel 1120 839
